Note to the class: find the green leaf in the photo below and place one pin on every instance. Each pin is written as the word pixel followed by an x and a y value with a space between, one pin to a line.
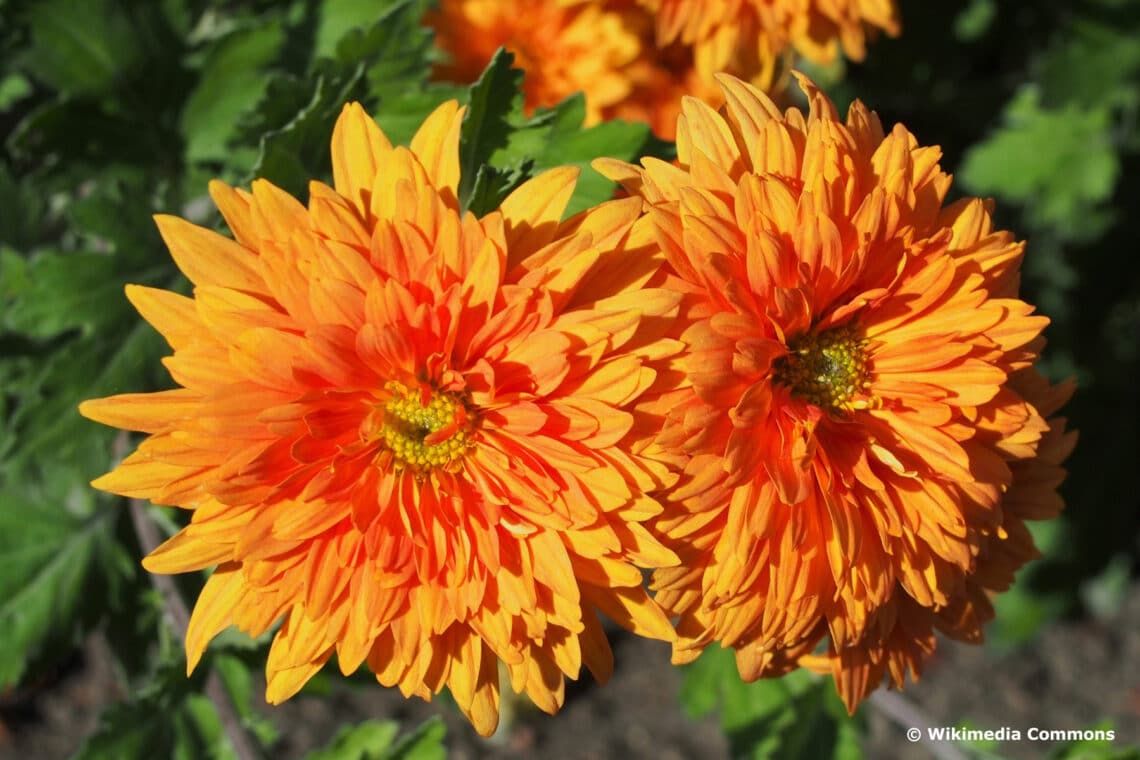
pixel 56 548
pixel 500 148
pixel 386 60
pixel 238 677
pixel 492 101
pixel 369 740
pixel 232 81
pixel 339 17
pixel 299 152
pixel 401 115
pixel 975 20
pixel 493 185
pixel 167 719
pixel 46 422
pixel 579 147
pixel 398 76
pixel 1092 65
pixel 705 680
pixel 13 87
pixel 22 208
pixel 113 81
pixel 1060 163
pixel 80 46
pixel 73 334
pixel 375 740
pixel 285 95
pixel 797 716
pixel 555 137
pixel 425 743
pixel 51 292
pixel 1020 614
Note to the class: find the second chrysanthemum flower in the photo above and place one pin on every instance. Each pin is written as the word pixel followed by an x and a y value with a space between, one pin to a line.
pixel 860 426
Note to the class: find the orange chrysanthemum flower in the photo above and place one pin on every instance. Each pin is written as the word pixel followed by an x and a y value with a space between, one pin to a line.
pixel 751 35
pixel 605 50
pixel 402 429
pixel 860 428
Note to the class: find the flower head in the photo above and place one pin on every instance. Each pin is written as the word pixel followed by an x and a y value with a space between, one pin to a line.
pixel 751 35
pixel 861 431
pixel 402 429
pixel 605 50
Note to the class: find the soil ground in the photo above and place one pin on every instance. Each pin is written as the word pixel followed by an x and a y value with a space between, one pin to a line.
pixel 1075 674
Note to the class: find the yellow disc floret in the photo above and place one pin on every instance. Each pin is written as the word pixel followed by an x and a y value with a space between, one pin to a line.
pixel 425 429
pixel 828 369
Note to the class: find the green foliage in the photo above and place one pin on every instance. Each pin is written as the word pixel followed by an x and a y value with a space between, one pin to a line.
pixel 112 66
pixel 1093 64
pixel 22 209
pixel 170 718
pixel 383 63
pixel 500 147
pixel 75 332
pixel 369 740
pixel 336 20
pixel 67 334
pixel 13 87
pixel 973 22
pixel 797 716
pixel 232 76
pixel 54 542
pixel 376 740
pixel 492 101
pixel 81 47
pixel 1060 164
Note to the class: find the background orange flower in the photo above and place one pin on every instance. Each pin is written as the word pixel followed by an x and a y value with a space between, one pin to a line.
pixel 605 50
pixel 750 35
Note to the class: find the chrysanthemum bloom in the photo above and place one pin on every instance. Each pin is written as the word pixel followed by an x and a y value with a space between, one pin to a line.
pixel 755 34
pixel 402 430
pixel 605 50
pixel 860 428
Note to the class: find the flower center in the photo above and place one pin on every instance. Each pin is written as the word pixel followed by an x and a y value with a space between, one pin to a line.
pixel 425 430
pixel 828 369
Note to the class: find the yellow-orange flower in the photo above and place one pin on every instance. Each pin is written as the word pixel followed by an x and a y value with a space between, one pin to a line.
pixel 402 430
pixel 605 50
pixel 750 35
pixel 861 432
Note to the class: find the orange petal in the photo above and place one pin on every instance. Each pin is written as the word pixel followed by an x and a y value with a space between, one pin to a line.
pixel 213 611
pixel 533 210
pixel 436 145
pixel 357 147
pixel 207 258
